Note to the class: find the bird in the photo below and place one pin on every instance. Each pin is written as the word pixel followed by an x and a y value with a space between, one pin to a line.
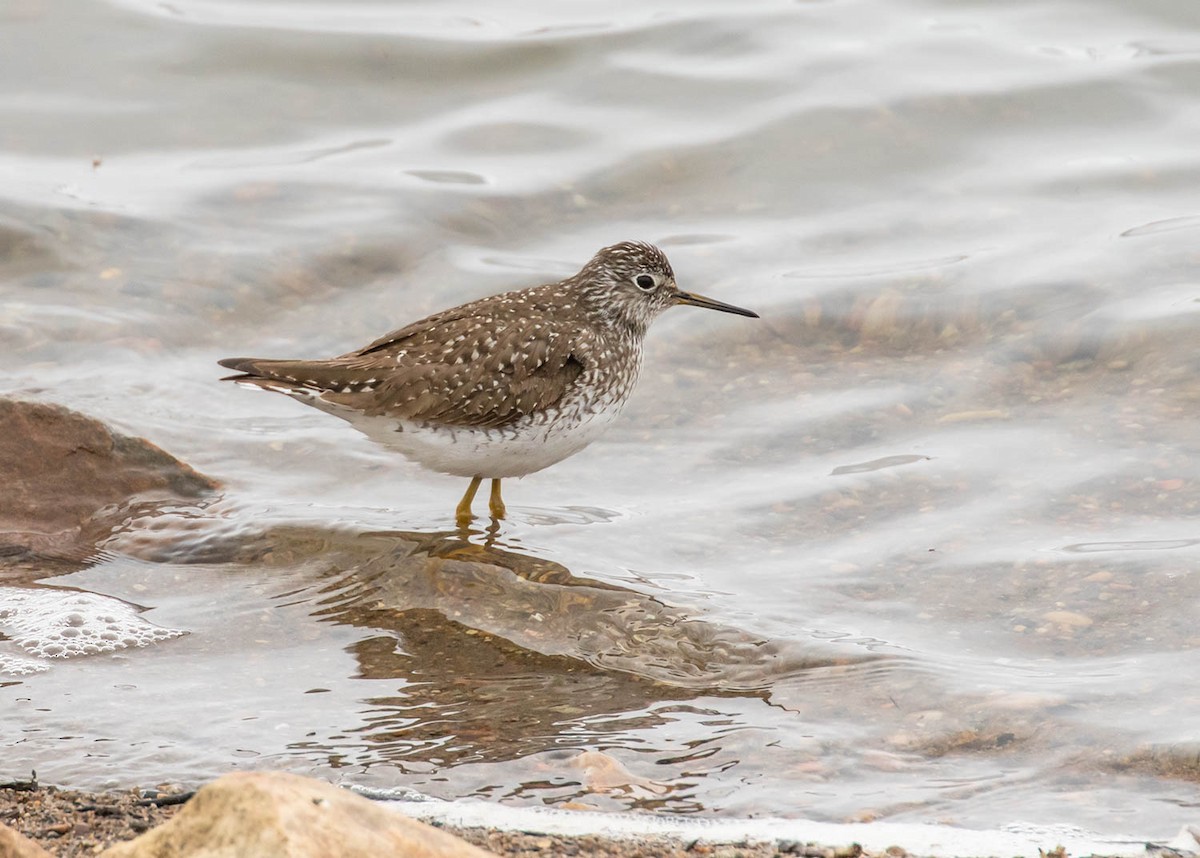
pixel 503 386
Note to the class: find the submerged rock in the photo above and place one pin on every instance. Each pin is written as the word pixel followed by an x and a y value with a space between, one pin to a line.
pixel 278 815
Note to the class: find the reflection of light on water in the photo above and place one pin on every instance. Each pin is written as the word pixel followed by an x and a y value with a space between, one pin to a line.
pixel 1130 545
pixel 1167 225
pixel 877 464
pixel 685 239
pixel 578 515
pixel 879 269
pixel 448 177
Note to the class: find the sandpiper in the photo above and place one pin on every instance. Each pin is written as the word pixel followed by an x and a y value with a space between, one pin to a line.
pixel 503 386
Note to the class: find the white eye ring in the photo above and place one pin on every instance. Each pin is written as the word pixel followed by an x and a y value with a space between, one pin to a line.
pixel 645 282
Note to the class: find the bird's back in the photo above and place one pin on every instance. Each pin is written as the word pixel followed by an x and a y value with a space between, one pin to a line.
pixel 485 364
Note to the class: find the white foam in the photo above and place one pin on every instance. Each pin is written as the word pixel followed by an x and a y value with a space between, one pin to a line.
pixel 52 623
pixel 916 838
pixel 15 665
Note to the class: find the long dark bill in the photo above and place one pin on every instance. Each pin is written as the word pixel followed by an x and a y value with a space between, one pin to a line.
pixel 694 300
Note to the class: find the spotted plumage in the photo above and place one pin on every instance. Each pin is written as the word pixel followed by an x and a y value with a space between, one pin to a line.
pixel 503 386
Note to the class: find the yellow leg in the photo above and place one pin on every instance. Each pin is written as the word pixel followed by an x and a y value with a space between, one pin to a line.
pixel 462 513
pixel 495 502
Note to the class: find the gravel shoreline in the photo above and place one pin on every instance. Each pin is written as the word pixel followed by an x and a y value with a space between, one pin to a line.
pixel 69 823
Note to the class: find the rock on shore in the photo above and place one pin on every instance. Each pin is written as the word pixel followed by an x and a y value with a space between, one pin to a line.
pixel 279 815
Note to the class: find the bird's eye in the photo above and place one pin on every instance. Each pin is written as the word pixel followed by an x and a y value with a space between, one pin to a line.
pixel 644 282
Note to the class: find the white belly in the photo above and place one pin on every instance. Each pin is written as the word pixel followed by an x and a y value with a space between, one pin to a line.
pixel 528 445
pixel 514 451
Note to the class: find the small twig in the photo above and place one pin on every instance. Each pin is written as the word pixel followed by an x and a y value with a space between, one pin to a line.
pixel 100 809
pixel 166 800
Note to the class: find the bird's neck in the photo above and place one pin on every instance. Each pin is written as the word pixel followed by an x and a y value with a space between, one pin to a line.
pixel 617 318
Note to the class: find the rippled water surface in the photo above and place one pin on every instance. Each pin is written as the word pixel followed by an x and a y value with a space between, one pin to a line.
pixel 919 544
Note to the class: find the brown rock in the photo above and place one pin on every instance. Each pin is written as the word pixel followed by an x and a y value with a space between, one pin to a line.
pixel 13 845
pixel 68 479
pixel 278 815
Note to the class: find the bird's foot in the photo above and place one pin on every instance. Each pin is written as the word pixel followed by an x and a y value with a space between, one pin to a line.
pixel 495 502
pixel 462 512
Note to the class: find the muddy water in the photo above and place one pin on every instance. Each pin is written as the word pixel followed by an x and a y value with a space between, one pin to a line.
pixel 920 544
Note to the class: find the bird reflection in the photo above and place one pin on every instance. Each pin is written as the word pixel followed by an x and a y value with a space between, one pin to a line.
pixel 477 650
pixel 497 646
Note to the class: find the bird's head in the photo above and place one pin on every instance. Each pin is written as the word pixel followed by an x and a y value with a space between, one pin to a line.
pixel 633 281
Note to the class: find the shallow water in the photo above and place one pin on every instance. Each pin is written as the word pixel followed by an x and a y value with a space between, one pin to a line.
pixel 918 545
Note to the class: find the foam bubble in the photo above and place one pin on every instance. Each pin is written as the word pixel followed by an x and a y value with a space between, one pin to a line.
pixel 53 623
pixel 15 665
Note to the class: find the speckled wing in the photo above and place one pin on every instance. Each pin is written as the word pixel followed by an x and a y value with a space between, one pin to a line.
pixel 483 365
